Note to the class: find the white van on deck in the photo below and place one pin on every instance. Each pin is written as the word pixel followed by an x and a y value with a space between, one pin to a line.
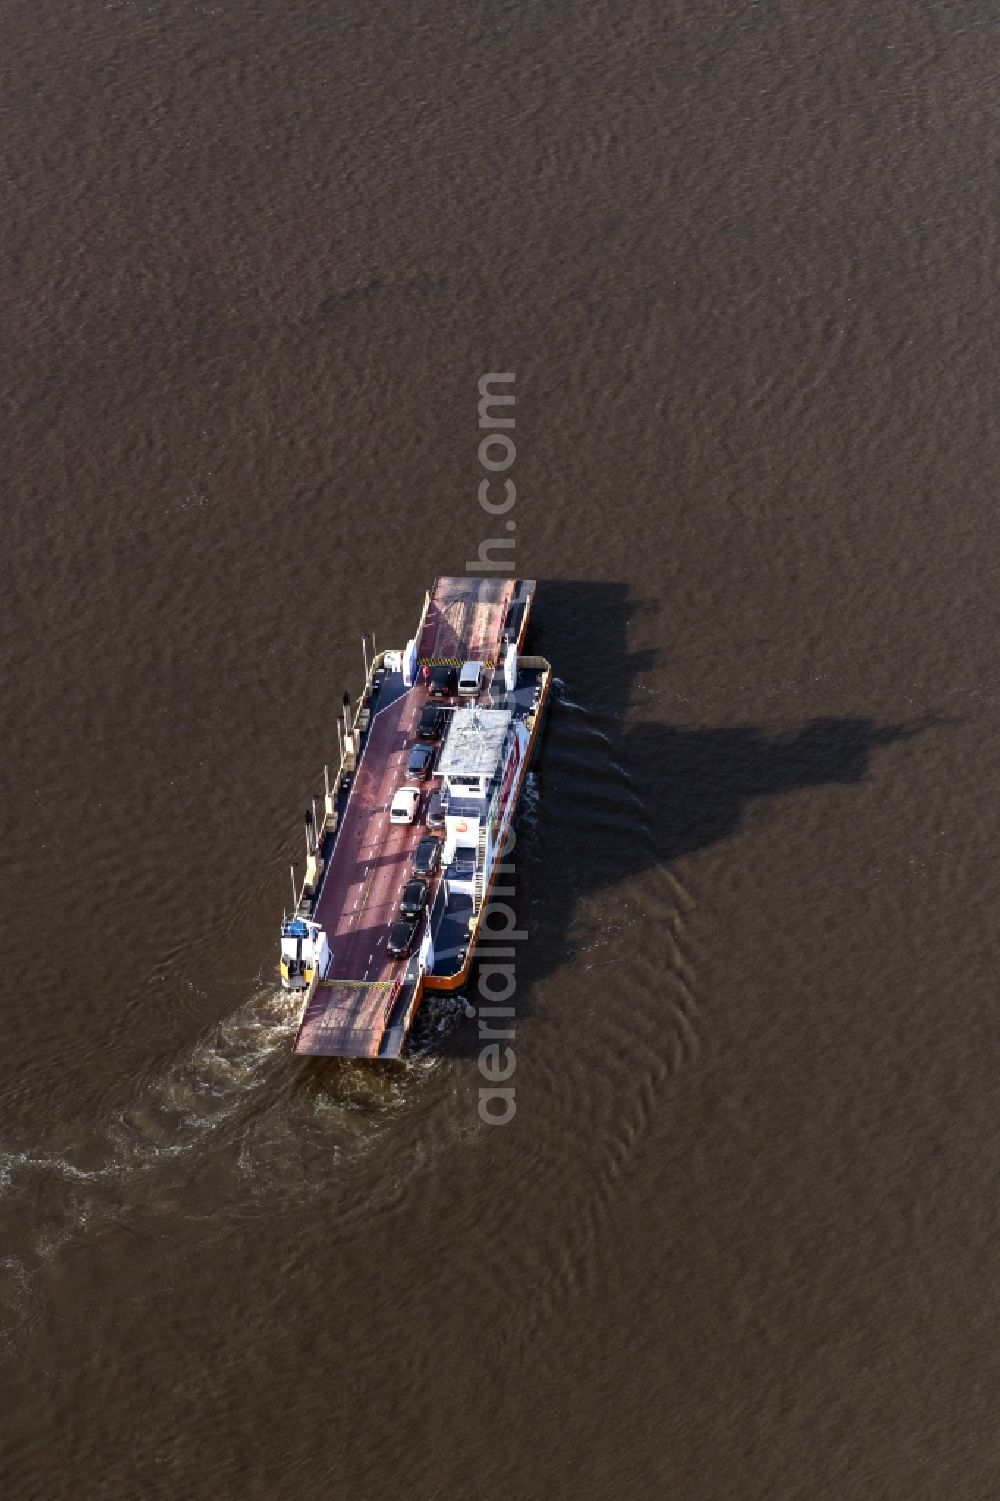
pixel 469 679
pixel 403 808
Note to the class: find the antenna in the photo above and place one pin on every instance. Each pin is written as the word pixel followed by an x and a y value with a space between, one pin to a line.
pixel 475 723
pixel 295 895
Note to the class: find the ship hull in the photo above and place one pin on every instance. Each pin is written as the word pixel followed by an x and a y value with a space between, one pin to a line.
pixel 362 1000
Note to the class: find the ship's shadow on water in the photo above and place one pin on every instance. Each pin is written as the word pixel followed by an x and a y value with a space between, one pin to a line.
pixel 617 800
pixel 700 782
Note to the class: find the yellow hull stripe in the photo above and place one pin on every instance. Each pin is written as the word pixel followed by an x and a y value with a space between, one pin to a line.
pixel 453 661
pixel 357 984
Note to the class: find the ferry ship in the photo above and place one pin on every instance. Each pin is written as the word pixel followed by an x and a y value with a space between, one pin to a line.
pixel 402 859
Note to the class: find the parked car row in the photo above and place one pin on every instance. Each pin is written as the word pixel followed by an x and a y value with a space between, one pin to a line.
pixel 447 682
pixel 420 764
pixel 406 804
pixel 415 897
pixel 442 683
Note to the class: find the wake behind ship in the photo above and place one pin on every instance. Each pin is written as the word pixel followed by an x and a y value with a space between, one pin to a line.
pixel 400 866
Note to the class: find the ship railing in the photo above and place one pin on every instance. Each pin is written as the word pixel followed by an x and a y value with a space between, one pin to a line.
pixel 391 999
pixel 438 906
pixel 347 766
pixel 311 990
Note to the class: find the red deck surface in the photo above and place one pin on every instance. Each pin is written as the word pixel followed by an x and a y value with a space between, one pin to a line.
pixel 360 895
pixel 464 620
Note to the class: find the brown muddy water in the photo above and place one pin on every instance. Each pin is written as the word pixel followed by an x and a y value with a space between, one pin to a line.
pixel 739 1240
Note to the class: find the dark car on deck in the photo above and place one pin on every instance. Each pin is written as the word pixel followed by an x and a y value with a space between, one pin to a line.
pixel 401 935
pixel 427 857
pixel 442 682
pixel 419 764
pixel 414 898
pixel 434 817
pixel 431 722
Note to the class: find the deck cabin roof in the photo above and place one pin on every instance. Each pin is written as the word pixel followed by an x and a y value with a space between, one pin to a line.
pixel 474 742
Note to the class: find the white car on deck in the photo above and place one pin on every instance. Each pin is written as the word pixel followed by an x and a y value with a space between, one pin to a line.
pixel 403 808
